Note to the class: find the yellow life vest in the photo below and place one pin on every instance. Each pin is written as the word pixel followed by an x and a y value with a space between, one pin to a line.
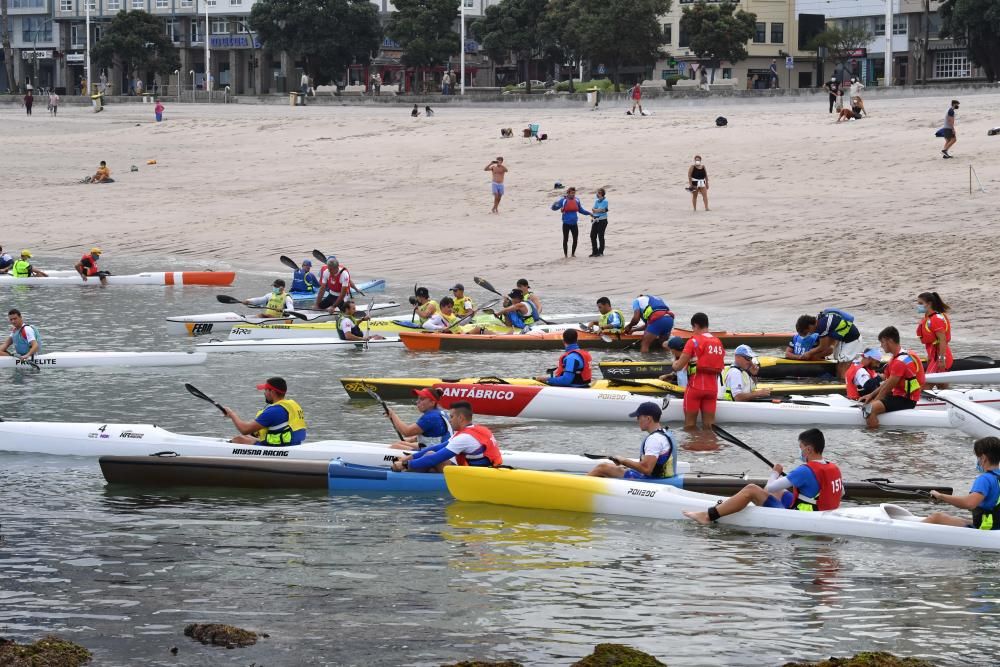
pixel 21 269
pixel 281 434
pixel 437 309
pixel 602 321
pixel 275 306
pixel 747 381
pixel 460 308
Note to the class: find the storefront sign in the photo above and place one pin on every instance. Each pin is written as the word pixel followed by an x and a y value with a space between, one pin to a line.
pixel 857 53
pixel 40 55
pixel 233 42
pixel 74 57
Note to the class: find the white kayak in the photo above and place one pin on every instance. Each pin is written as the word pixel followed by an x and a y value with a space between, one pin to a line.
pixel 293 345
pixel 971 418
pixel 574 493
pixel 94 440
pixel 611 405
pixel 223 323
pixel 92 359
pixel 977 376
pixel 153 278
pixel 386 326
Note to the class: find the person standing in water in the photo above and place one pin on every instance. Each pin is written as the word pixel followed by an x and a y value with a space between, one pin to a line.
pixel 698 183
pixel 498 170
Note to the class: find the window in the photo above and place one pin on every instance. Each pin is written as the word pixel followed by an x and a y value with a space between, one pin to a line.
pixel 727 72
pixel 777 33
pixel 173 30
pixel 65 5
pixel 210 3
pixel 98 33
pixel 760 33
pixel 898 25
pixel 77 35
pixel 138 4
pixel 241 27
pixel 220 27
pixel 197 32
pixel 952 64
pixel 162 4
pixel 682 38
pixel 668 33
pixel 187 4
pixel 114 5
pixel 235 2
pixel 92 5
pixel 27 4
pixel 36 29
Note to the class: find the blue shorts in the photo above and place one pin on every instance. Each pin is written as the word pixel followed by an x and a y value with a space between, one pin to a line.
pixel 785 502
pixel 498 188
pixel 661 327
pixel 632 474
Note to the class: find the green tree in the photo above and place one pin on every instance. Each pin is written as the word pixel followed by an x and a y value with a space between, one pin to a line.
pixel 327 35
pixel 513 26
pixel 425 31
pixel 137 42
pixel 622 32
pixel 8 53
pixel 841 43
pixel 562 23
pixel 718 32
pixel 976 25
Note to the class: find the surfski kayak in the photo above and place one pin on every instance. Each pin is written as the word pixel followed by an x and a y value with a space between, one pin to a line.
pixel 147 440
pixel 402 388
pixel 222 323
pixel 294 345
pixel 771 368
pixel 974 419
pixel 92 359
pixel 979 376
pixel 153 278
pixel 377 325
pixel 307 298
pixel 574 493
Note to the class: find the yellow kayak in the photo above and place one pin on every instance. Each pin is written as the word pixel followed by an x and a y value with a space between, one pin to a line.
pixel 383 326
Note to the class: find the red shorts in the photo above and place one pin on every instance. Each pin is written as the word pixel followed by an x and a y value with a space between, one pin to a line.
pixel 700 400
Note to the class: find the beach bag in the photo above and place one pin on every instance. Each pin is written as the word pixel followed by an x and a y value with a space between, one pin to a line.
pixel 721 121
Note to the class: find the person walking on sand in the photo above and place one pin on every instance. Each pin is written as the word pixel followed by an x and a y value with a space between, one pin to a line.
pixel 833 88
pixel 497 168
pixel 599 223
pixel 53 103
pixel 635 94
pixel 947 132
pixel 570 206
pixel 29 100
pixel 698 183
pixel 158 110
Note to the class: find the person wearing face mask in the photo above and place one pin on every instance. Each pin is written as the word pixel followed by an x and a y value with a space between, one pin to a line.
pixel 276 303
pixel 816 485
pixel 738 383
pixel 983 499
pixel 698 183
pixel 934 331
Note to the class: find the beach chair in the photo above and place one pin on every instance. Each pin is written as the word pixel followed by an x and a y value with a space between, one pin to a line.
pixel 531 132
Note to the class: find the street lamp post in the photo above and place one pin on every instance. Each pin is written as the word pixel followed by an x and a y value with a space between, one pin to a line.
pixel 208 56
pixel 888 42
pixel 461 66
pixel 89 80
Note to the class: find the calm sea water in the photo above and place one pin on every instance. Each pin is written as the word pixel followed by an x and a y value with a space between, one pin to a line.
pixel 362 580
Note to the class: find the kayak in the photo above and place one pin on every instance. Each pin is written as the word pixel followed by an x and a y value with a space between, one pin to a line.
pixel 551 491
pixel 306 298
pixel 293 345
pixel 222 323
pixel 91 359
pixel 544 340
pixel 971 418
pixel 147 441
pixel 979 376
pixel 609 405
pixel 377 325
pixel 155 278
pixel 402 388
pixel 771 368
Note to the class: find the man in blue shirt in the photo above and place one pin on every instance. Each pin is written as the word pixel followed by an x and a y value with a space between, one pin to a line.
pixel 574 365
pixel 838 336
pixel 280 423
pixel 984 496
pixel 432 428
pixel 304 280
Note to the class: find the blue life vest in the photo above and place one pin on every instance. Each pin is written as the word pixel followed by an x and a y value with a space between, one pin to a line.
pixel 21 344
pixel 843 313
pixel 301 282
pixel 665 463
pixel 424 440
pixel 802 344
pixel 519 321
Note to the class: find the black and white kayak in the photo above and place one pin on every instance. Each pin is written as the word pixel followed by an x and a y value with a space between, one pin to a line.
pixel 95 359
pixel 295 345
pixel 223 323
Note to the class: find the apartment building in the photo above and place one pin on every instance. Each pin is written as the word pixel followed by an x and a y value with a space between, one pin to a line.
pixel 34 44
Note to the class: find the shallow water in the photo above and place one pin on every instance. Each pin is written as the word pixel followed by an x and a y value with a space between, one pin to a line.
pixel 357 580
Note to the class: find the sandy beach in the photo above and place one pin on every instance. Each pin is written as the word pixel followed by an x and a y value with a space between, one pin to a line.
pixel 805 212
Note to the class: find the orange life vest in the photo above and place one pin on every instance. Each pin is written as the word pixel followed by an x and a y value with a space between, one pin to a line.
pixel 852 389
pixel 584 376
pixel 913 380
pixel 570 205
pixel 831 488
pixel 928 337
pixel 89 264
pixel 491 450
pixel 333 283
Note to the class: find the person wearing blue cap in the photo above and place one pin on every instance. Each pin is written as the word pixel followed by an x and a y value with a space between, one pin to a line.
pixel 304 280
pixel 679 377
pixel 862 376
pixel 738 379
pixel 657 454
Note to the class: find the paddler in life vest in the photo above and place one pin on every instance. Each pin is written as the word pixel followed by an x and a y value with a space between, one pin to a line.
pixel 529 294
pixel 904 378
pixel 984 496
pixel 334 285
pixel 281 423
pixel 520 314
pixel 657 454
pixel 349 323
pixel 463 305
pixel 703 357
pixel 6 261
pixel 862 376
pixel 838 336
pixel 433 427
pixel 611 321
pixel 424 307
pixel 574 365
pixel 652 316
pixel 304 280
pixel 87 267
pixel 22 267
pixel 274 304
pixel 22 336
pixel 739 380
pixel 814 486
pixel 444 317
pixel 679 377
pixel 471 445
pixel 803 340
pixel 934 331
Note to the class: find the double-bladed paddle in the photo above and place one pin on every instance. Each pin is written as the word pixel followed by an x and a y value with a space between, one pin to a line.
pixel 289 262
pixel 729 437
pixel 467 317
pixel 368 321
pixel 488 286
pixel 604 337
pixel 233 301
pixel 385 408
pixel 884 484
pixel 198 393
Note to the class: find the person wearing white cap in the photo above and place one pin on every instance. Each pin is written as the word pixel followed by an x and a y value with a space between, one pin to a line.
pixel 657 454
pixel 862 376
pixel 737 382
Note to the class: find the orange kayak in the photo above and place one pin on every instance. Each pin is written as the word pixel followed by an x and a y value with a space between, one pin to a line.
pixel 435 342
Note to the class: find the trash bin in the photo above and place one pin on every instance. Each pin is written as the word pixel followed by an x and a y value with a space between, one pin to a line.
pixel 292 99
pixel 98 102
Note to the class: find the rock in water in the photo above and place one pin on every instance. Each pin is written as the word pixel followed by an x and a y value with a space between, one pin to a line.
pixel 50 651
pixel 866 659
pixel 221 635
pixel 618 655
pixel 485 663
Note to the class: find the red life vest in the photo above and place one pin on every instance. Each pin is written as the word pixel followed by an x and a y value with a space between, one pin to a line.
pixel 570 205
pixel 334 283
pixel 852 389
pixel 89 264
pixel 913 379
pixel 831 486
pixel 491 450
pixel 928 337
pixel 711 354
pixel 584 376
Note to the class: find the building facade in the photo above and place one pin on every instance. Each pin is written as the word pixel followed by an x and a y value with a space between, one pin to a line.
pixel 34 43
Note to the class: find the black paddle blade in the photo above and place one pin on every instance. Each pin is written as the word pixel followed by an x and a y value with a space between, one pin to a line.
pixel 729 437
pixel 297 315
pixel 486 285
pixel 225 298
pixel 596 456
pixel 319 256
pixel 289 262
pixel 198 393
